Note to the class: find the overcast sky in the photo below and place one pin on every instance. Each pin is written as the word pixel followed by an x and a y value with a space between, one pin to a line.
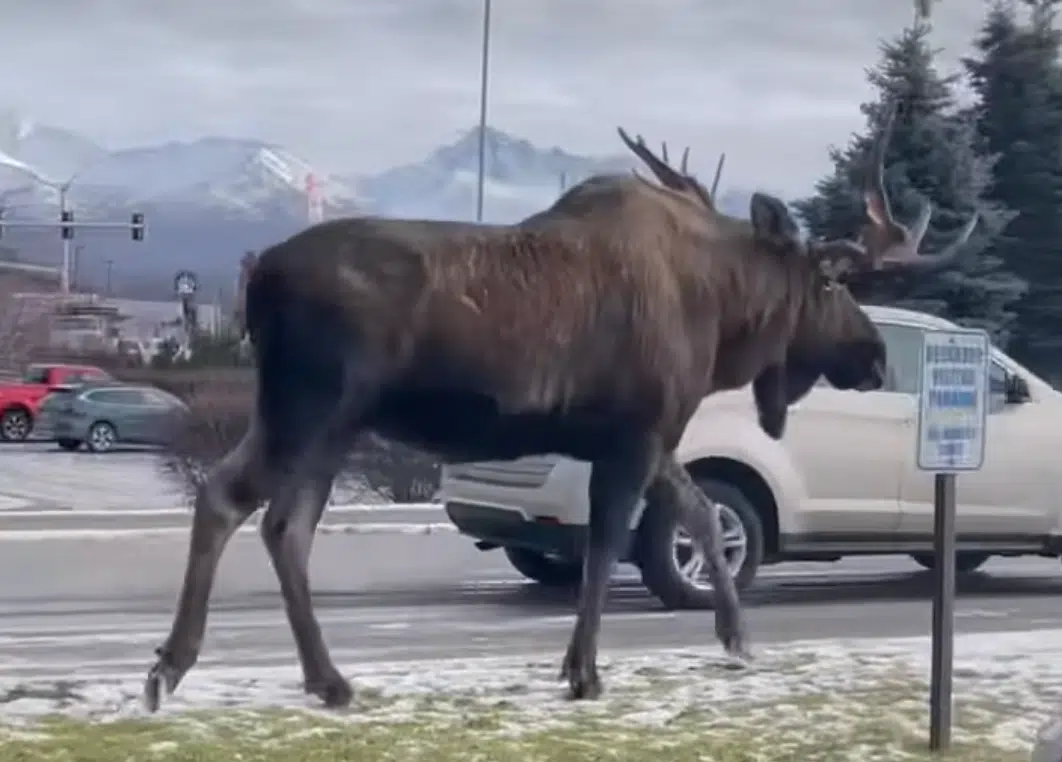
pixel 359 85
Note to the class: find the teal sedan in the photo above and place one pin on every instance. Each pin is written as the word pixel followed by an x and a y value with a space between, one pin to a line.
pixel 101 416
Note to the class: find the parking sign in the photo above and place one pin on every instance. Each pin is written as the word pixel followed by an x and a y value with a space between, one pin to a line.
pixel 953 405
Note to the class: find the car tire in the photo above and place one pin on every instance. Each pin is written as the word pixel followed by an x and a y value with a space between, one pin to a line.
pixel 550 571
pixel 70 445
pixel 15 425
pixel 101 437
pixel 658 552
pixel 965 562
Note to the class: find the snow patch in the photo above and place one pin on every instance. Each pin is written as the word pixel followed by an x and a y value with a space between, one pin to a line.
pixel 1006 686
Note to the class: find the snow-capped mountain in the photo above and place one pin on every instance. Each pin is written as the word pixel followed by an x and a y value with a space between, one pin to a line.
pixel 519 179
pixel 207 201
pixel 52 152
pixel 243 177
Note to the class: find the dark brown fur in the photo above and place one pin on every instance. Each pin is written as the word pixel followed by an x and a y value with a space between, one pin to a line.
pixel 592 329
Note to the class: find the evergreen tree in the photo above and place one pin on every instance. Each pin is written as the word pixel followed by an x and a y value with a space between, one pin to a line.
pixel 1018 78
pixel 932 155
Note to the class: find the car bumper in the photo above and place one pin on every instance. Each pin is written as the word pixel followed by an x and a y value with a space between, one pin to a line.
pixel 511 528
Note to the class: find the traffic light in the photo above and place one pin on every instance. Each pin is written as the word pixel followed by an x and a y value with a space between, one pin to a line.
pixel 138 226
pixel 67 216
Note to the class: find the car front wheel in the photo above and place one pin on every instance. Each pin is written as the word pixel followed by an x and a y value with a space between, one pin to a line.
pixel 673 566
pixel 548 570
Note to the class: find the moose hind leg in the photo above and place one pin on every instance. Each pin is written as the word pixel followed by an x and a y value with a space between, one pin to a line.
pixel 288 529
pixel 229 494
pixel 701 516
pixel 616 485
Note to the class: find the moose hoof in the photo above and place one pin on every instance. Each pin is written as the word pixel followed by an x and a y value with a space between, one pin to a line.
pixel 583 680
pixel 334 691
pixel 162 678
pixel 584 686
pixel 737 655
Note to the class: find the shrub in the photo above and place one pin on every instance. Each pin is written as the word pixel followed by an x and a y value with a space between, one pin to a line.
pixel 219 410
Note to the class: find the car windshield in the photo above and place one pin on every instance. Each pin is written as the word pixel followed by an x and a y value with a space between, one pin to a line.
pixel 35 374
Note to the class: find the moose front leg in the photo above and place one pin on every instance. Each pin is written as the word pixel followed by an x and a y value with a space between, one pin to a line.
pixel 700 516
pixel 616 485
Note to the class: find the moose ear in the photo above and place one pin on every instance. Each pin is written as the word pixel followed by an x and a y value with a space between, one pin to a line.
pixel 771 218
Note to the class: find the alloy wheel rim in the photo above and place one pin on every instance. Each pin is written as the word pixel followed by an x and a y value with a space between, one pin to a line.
pixel 15 426
pixel 102 438
pixel 689 560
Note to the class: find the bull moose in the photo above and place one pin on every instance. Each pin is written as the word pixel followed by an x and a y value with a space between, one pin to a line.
pixel 592 329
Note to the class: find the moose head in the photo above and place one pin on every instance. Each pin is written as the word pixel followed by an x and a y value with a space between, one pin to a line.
pixel 831 335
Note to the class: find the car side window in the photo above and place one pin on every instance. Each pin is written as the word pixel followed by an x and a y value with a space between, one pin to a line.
pixel 157 397
pixel 36 374
pixel 115 396
pixel 903 345
pixel 132 397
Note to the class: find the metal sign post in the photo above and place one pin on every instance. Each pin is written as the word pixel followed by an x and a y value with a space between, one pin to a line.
pixel 185 286
pixel 952 413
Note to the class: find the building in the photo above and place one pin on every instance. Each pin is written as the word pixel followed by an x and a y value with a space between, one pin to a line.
pixel 35 316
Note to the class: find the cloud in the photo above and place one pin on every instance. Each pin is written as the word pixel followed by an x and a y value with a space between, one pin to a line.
pixel 358 86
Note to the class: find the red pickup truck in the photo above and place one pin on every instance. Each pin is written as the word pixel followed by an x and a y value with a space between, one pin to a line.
pixel 20 397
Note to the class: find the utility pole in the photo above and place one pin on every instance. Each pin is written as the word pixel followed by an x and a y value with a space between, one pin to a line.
pixel 110 268
pixel 484 66
pixel 75 266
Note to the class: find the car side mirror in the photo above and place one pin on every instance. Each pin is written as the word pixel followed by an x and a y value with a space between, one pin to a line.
pixel 1017 390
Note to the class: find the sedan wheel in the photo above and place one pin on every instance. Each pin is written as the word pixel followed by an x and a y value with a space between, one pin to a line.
pixel 101 437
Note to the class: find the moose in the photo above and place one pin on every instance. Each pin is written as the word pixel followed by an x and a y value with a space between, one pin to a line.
pixel 592 329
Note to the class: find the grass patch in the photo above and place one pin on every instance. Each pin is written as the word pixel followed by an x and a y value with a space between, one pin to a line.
pixel 832 702
pixel 884 723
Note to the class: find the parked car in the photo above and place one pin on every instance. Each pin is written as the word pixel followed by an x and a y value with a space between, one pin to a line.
pixel 20 397
pixel 102 415
pixel 843 481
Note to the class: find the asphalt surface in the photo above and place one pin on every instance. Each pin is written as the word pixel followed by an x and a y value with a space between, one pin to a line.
pixel 75 604
pixel 73 607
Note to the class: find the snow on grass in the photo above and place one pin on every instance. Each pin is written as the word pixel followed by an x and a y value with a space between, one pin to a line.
pixel 812 701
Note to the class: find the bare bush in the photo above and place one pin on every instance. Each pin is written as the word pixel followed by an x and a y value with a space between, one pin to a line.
pixel 216 421
pixel 219 410
pixel 397 472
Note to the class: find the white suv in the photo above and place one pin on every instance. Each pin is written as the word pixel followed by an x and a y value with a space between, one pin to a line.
pixel 843 481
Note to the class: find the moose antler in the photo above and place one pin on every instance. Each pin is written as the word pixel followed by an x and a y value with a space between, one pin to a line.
pixel 884 242
pixel 677 180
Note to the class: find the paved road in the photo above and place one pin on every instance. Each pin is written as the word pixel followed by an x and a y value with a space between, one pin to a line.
pixel 74 608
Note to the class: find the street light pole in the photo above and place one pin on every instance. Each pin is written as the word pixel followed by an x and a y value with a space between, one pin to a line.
pixel 64 275
pixel 483 111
